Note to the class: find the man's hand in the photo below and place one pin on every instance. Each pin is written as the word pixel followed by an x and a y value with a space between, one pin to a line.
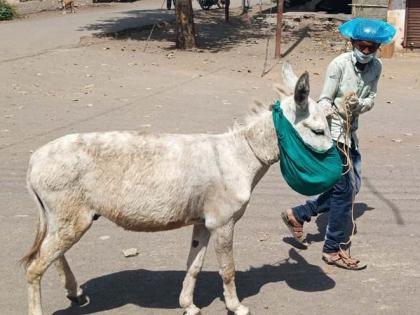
pixel 326 108
pixel 351 101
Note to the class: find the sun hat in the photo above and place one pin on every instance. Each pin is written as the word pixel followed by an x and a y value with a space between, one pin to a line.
pixel 376 31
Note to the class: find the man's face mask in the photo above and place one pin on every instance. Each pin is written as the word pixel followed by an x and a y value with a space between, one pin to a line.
pixel 364 51
pixel 361 57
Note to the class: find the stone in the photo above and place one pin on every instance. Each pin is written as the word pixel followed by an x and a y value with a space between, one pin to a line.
pixel 130 252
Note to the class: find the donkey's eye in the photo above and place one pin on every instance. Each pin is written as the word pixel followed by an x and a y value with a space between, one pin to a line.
pixel 319 132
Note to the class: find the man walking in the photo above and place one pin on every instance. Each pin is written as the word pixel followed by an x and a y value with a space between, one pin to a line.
pixel 349 90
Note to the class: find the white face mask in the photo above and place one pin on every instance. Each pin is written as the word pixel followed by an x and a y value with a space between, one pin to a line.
pixel 361 57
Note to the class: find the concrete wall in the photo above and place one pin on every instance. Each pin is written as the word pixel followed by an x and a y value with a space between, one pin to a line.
pixel 396 16
pixel 371 9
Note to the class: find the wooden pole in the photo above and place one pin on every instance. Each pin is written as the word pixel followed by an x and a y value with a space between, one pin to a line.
pixel 280 5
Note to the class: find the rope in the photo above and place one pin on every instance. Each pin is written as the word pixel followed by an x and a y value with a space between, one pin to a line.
pixel 264 72
pixel 345 132
pixel 153 28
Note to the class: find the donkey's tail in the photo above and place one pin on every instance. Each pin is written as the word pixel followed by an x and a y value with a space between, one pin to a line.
pixel 41 230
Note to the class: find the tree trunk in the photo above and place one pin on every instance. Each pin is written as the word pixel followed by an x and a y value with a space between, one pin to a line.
pixel 185 33
pixel 227 5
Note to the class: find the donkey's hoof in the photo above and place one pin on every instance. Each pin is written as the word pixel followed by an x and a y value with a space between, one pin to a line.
pixel 192 310
pixel 242 310
pixel 79 300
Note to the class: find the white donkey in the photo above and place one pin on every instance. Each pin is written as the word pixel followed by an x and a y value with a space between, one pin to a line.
pixel 156 182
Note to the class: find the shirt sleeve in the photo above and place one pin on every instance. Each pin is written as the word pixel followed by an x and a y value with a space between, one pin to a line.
pixel 330 88
pixel 331 84
pixel 367 103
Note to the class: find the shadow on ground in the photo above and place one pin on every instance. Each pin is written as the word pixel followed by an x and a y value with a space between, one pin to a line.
pixel 392 205
pixel 146 288
pixel 213 33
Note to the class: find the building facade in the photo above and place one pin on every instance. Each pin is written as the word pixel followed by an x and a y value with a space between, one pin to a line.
pixel 405 16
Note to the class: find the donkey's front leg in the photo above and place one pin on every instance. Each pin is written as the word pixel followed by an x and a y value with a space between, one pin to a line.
pixel 224 253
pixel 200 239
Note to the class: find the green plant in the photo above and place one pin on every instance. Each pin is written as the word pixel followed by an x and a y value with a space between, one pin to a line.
pixel 7 11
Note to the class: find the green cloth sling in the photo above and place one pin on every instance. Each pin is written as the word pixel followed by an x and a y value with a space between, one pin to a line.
pixel 306 170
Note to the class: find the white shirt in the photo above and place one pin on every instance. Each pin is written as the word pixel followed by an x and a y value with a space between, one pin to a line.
pixel 341 78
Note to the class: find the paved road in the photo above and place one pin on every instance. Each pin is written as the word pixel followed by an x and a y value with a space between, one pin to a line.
pixel 48 31
pixel 114 85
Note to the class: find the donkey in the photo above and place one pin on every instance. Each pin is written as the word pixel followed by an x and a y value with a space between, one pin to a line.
pixel 157 182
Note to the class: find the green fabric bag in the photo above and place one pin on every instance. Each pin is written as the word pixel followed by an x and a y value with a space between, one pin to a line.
pixel 305 169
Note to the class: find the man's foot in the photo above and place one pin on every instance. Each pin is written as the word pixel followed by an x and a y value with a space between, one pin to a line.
pixel 294 226
pixel 342 259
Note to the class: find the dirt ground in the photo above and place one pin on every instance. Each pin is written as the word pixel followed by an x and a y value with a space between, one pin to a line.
pixel 119 82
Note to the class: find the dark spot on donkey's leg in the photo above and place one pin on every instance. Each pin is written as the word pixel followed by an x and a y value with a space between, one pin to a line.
pixel 195 243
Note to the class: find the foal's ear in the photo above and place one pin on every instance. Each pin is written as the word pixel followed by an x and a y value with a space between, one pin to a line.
pixel 302 92
pixel 289 77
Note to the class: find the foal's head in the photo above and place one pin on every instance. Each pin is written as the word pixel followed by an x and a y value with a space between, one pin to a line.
pixel 303 112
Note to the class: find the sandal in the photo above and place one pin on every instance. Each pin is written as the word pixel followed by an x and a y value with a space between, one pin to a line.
pixel 294 226
pixel 341 259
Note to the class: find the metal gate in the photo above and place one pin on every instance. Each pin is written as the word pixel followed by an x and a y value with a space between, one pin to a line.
pixel 412 24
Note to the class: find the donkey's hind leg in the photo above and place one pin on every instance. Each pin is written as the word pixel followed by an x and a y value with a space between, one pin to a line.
pixel 50 250
pixel 58 240
pixel 74 293
pixel 200 239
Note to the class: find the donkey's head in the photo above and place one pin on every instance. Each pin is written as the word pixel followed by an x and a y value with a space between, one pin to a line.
pixel 304 113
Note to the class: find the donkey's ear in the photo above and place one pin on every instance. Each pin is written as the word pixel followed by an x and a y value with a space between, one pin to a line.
pixel 302 92
pixel 289 77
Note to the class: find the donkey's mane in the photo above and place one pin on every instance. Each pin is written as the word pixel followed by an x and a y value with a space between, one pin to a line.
pixel 258 108
pixel 255 113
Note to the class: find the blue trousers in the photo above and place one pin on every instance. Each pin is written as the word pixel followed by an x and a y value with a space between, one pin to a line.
pixel 337 201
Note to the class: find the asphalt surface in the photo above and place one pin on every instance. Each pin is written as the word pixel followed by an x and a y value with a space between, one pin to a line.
pixel 53 86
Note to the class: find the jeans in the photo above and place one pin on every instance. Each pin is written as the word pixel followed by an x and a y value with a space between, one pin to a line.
pixel 338 201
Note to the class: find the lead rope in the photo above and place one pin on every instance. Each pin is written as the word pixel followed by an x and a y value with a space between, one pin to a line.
pixel 345 132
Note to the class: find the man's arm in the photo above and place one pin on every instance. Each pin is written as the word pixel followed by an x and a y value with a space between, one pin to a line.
pixel 330 88
pixel 367 103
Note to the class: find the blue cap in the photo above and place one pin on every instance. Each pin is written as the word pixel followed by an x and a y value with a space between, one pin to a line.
pixel 376 31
